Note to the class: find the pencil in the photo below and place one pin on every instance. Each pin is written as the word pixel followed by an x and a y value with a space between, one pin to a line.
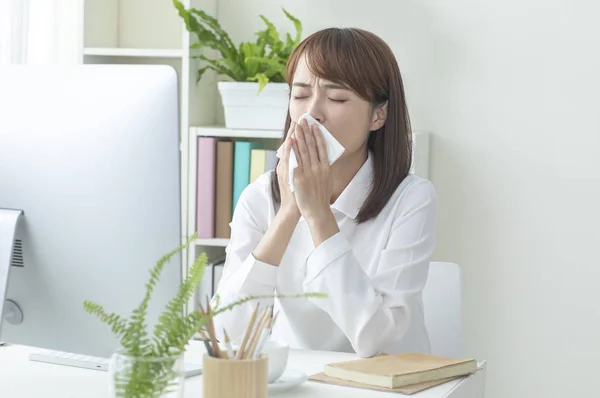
pixel 211 333
pixel 273 320
pixel 240 353
pixel 264 336
pixel 259 329
pixel 228 345
pixel 203 335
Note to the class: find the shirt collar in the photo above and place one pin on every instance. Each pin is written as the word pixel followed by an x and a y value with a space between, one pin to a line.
pixel 355 194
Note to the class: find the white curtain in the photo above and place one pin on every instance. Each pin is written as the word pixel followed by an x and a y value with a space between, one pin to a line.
pixel 41 31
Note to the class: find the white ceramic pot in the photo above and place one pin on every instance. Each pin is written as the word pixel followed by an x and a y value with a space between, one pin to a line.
pixel 246 108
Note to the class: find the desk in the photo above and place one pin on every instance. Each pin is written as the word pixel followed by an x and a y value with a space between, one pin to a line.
pixel 22 378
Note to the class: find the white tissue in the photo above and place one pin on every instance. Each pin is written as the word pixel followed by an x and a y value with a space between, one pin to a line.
pixel 334 148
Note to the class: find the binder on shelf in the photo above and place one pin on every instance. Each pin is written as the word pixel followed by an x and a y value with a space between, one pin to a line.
pixel 212 276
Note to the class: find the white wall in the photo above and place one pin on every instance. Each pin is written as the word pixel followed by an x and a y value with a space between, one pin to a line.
pixel 510 91
pixel 133 23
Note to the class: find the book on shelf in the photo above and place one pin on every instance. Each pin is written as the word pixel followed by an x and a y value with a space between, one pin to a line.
pixel 205 187
pixel 224 189
pixel 261 161
pixel 241 167
pixel 271 159
pixel 394 371
pixel 258 163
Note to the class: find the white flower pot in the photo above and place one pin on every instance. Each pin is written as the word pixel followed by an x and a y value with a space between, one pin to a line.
pixel 246 108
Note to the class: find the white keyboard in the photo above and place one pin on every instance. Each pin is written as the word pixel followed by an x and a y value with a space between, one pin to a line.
pixel 90 362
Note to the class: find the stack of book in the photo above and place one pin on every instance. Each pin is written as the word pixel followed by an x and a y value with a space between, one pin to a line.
pixel 402 373
pixel 224 170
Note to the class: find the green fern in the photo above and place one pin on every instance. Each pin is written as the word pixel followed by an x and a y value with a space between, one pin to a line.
pixel 151 373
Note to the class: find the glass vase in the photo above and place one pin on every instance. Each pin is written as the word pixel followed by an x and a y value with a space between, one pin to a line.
pixel 146 377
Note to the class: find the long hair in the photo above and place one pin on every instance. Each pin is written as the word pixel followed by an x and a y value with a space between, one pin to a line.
pixel 363 62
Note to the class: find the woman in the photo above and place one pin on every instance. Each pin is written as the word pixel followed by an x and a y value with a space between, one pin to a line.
pixel 361 230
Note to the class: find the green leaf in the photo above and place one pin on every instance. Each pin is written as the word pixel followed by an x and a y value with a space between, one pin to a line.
pixel 173 309
pixel 206 37
pixel 116 322
pixel 137 326
pixel 201 72
pixel 228 307
pixel 275 63
pixel 297 25
pixel 228 48
pixel 270 33
pixel 262 81
pixel 220 69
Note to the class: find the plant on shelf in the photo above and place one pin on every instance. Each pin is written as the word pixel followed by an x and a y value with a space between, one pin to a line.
pixel 150 366
pixel 262 61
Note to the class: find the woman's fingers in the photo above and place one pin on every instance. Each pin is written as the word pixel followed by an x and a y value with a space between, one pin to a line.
pixel 287 148
pixel 283 164
pixel 297 152
pixel 291 130
pixel 321 145
pixel 312 145
pixel 302 131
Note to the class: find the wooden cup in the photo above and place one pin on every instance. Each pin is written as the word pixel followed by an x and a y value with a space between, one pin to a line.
pixel 233 378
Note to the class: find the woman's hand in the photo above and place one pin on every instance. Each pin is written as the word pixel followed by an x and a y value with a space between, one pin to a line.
pixel 313 181
pixel 288 201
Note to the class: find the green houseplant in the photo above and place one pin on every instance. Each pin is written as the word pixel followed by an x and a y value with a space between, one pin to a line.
pixel 254 93
pixel 149 365
pixel 262 61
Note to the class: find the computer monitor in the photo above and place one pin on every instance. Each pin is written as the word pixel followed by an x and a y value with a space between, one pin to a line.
pixel 90 155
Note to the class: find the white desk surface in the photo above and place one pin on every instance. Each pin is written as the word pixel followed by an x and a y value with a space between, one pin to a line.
pixel 22 378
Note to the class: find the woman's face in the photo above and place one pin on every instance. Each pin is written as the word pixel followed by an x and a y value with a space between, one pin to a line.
pixel 348 117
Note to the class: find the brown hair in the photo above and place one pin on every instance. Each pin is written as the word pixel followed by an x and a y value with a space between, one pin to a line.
pixel 363 62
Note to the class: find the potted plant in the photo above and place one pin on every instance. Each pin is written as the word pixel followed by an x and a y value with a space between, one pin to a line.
pixel 255 95
pixel 151 365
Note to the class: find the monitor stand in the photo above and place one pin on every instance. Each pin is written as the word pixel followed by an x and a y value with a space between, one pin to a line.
pixel 9 219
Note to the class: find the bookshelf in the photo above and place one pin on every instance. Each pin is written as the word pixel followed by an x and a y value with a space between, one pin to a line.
pixel 222 132
pixel 217 242
pixel 214 246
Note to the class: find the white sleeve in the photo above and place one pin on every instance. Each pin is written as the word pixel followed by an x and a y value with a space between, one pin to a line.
pixel 243 275
pixel 373 311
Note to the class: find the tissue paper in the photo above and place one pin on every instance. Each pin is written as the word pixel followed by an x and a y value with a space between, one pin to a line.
pixel 334 149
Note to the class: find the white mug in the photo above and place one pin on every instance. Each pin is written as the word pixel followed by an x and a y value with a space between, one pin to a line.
pixel 277 353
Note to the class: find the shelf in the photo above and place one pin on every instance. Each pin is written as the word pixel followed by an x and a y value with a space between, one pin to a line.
pixel 212 242
pixel 217 131
pixel 133 52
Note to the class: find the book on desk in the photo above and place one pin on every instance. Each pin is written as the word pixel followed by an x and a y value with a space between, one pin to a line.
pixel 402 373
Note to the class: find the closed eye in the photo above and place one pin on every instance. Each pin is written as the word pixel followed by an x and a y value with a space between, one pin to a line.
pixel 337 100
pixel 300 97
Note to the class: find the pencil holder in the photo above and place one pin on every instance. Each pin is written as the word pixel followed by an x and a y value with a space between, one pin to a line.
pixel 233 378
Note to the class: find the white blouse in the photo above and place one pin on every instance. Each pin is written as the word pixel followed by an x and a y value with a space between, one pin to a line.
pixel 373 273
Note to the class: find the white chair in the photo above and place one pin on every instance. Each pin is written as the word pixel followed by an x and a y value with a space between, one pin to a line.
pixel 442 306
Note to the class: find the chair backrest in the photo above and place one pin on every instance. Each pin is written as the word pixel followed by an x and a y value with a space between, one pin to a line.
pixel 442 306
